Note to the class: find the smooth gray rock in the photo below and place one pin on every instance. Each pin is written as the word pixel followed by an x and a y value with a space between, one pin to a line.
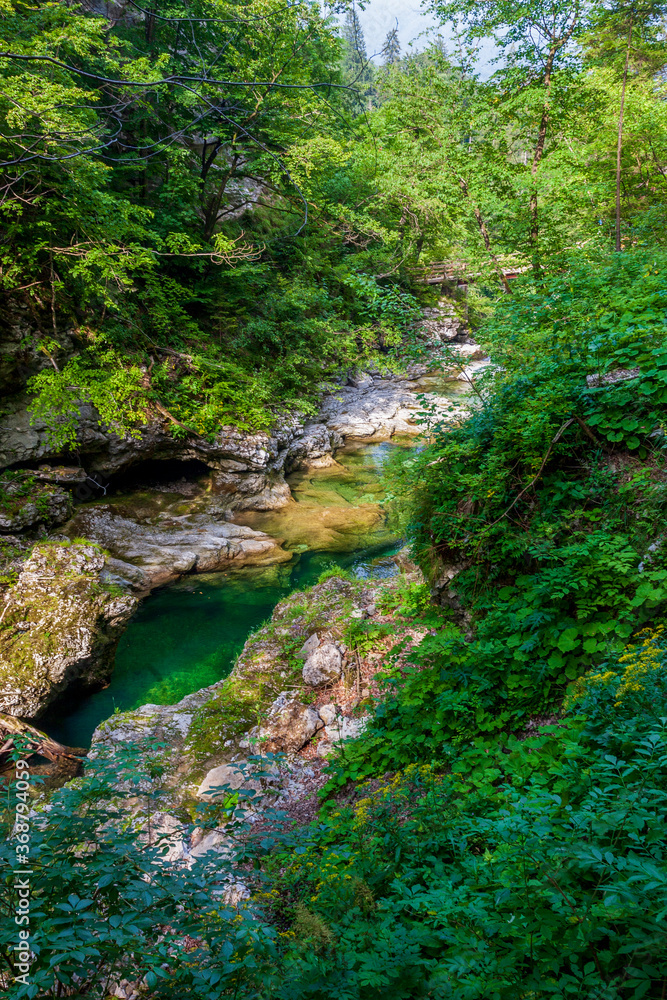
pixel 101 451
pixel 323 666
pixel 251 490
pixel 345 729
pixel 147 555
pixel 219 781
pixel 312 447
pixel 309 646
pixel 328 714
pixel 611 378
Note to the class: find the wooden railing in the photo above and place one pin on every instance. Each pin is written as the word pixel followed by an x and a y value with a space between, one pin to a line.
pixel 439 272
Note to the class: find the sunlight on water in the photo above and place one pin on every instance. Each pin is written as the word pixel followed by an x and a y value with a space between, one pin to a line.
pixel 188 635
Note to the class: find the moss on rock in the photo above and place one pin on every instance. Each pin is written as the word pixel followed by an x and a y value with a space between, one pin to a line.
pixel 268 665
pixel 60 625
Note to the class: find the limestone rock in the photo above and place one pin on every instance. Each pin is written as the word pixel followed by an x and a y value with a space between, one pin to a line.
pixel 611 378
pixel 100 451
pixel 168 833
pixel 469 352
pixel 251 490
pixel 328 714
pixel 236 893
pixel 289 725
pixel 60 626
pixel 345 729
pixel 323 666
pixel 309 646
pixel 219 781
pixel 360 381
pixel 148 554
pixel 312 448
pixel 440 323
pixel 45 505
pixel 67 475
pixel 377 409
pixel 443 590
pixel 373 406
pixel 215 841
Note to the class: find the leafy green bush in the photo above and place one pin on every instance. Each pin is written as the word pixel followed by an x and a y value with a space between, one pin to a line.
pixel 531 867
pixel 408 598
pixel 109 903
pixel 361 636
pixel 549 534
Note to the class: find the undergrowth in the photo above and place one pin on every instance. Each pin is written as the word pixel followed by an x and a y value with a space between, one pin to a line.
pixel 497 832
pixel 504 809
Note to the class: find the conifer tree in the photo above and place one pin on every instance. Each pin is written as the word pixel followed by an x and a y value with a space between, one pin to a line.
pixel 391 50
pixel 357 68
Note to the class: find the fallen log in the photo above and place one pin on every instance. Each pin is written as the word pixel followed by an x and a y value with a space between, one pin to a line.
pixel 30 741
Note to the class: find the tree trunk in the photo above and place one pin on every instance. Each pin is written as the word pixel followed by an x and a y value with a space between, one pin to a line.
pixel 212 206
pixel 149 27
pixel 619 144
pixel 485 236
pixel 537 157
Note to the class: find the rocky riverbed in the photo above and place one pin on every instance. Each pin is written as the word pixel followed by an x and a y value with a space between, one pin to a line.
pixel 299 689
pixel 66 606
pixel 368 407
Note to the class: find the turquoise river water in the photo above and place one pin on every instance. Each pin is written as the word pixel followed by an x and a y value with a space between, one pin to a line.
pixel 187 635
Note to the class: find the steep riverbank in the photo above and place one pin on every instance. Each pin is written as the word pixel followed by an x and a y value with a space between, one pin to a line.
pixel 154 534
pixel 187 635
pixel 302 685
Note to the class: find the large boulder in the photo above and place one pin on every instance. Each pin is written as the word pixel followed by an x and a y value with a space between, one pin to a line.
pixel 323 666
pixel 60 626
pixel 251 490
pixel 149 553
pixel 219 781
pixel 289 725
pixel 313 448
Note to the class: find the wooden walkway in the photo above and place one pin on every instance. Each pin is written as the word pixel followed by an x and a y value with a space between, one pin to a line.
pixel 441 272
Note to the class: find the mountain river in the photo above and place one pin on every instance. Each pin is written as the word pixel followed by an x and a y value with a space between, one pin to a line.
pixel 187 635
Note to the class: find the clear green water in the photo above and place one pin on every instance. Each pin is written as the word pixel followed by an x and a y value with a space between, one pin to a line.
pixel 188 635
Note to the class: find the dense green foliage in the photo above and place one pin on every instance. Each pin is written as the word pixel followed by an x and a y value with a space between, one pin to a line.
pixel 213 210
pixel 498 830
pixel 497 842
pixel 106 898
pixel 532 867
pixel 155 219
pixel 502 834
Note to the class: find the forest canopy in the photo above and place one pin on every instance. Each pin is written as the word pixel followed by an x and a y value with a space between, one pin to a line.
pixel 210 211
pixel 216 208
